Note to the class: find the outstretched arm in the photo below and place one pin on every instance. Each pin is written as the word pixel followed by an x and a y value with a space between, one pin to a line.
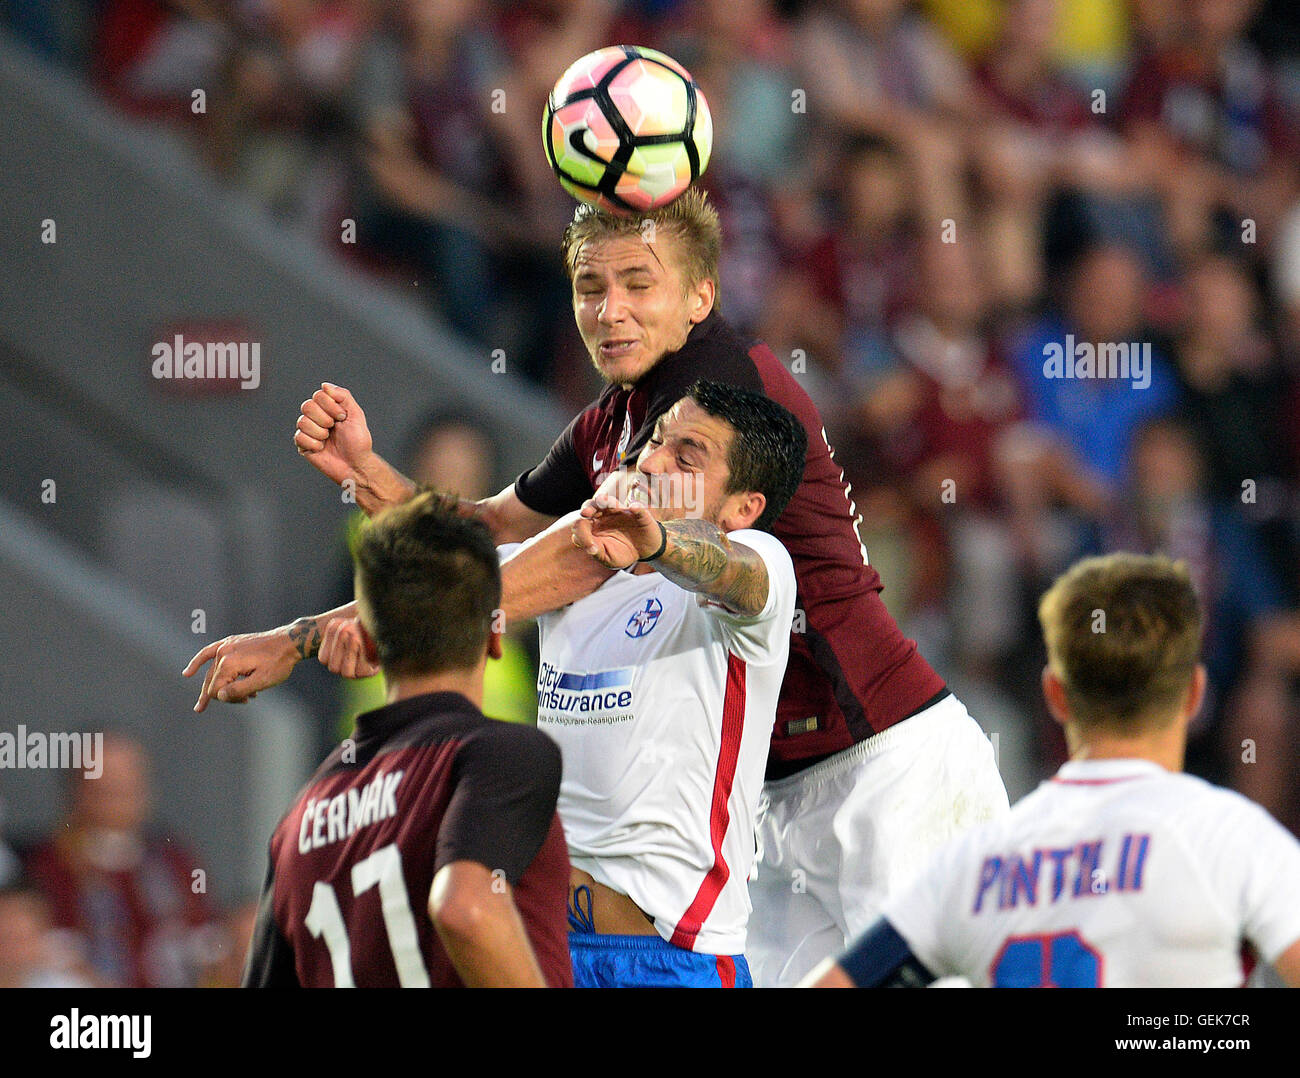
pixel 244 665
pixel 695 554
pixel 548 572
pixel 545 574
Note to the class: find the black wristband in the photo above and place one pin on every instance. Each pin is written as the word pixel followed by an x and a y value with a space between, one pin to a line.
pixel 663 544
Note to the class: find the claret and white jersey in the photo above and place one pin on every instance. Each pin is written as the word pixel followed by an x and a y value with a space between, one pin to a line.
pixel 1114 873
pixel 662 704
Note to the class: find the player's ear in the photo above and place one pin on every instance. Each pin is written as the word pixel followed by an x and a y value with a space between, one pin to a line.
pixel 744 511
pixel 494 644
pixel 1195 693
pixel 702 296
pixel 1054 694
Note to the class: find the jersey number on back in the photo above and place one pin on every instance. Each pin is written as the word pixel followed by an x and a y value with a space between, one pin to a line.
pixel 325 919
pixel 1064 960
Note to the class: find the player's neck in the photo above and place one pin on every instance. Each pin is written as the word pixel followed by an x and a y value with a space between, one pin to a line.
pixel 1164 747
pixel 466 682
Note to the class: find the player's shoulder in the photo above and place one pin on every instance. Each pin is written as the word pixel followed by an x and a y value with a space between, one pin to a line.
pixel 515 747
pixel 1158 797
pixel 715 351
pixel 1205 801
pixel 767 546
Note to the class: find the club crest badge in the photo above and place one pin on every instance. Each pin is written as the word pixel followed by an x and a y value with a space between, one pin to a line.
pixel 644 620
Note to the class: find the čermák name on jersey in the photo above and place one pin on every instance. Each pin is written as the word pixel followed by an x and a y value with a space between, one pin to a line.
pixel 1052 873
pixel 330 819
pixel 602 697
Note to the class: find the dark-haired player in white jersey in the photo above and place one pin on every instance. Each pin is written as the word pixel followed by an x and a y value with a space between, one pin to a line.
pixel 1120 871
pixel 661 687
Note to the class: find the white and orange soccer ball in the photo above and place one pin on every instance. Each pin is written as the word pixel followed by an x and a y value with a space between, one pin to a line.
pixel 627 129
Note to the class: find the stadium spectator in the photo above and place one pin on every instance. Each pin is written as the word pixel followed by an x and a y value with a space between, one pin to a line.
pixel 874 67
pixel 150 55
pixel 1092 417
pixel 1252 639
pixel 1040 138
pixel 129 893
pixel 429 157
pixel 846 288
pixel 279 124
pixel 939 425
pixel 1205 122
pixel 32 953
pixel 1237 399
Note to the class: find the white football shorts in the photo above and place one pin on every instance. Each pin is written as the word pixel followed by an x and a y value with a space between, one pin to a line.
pixel 836 839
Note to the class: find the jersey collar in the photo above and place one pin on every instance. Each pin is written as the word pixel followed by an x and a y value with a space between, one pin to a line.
pixel 1104 772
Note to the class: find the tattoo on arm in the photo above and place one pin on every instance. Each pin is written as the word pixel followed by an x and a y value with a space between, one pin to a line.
pixel 701 558
pixel 305 635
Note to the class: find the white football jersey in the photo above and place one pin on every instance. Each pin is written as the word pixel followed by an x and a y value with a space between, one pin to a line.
pixel 1114 873
pixel 663 705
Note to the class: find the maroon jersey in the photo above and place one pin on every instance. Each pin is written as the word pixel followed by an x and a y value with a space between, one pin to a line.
pixel 852 673
pixel 428 781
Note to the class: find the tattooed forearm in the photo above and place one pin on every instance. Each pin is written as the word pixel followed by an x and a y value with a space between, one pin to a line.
pixel 701 558
pixel 305 635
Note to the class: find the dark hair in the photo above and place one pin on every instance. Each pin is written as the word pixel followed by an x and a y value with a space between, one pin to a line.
pixel 428 586
pixel 768 450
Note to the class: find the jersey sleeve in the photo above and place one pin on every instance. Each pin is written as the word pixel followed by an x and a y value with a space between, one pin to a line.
pixel 760 638
pixel 559 483
pixel 1270 874
pixel 507 780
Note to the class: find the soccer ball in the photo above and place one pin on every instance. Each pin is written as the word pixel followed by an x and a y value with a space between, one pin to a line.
pixel 627 129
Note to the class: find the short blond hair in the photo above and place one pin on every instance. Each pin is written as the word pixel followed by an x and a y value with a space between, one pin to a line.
pixel 689 219
pixel 1123 634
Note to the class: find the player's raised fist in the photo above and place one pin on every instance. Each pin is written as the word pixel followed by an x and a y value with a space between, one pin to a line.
pixel 332 434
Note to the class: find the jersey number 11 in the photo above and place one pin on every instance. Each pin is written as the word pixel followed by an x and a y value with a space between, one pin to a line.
pixel 325 919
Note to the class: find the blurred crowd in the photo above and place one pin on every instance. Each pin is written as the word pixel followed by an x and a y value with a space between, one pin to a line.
pixel 920 202
pixel 109 898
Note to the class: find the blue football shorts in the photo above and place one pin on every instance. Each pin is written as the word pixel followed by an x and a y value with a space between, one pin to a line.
pixel 603 961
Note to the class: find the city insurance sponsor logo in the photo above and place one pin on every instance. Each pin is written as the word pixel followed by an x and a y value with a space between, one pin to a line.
pixel 34 750
pixel 1085 360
